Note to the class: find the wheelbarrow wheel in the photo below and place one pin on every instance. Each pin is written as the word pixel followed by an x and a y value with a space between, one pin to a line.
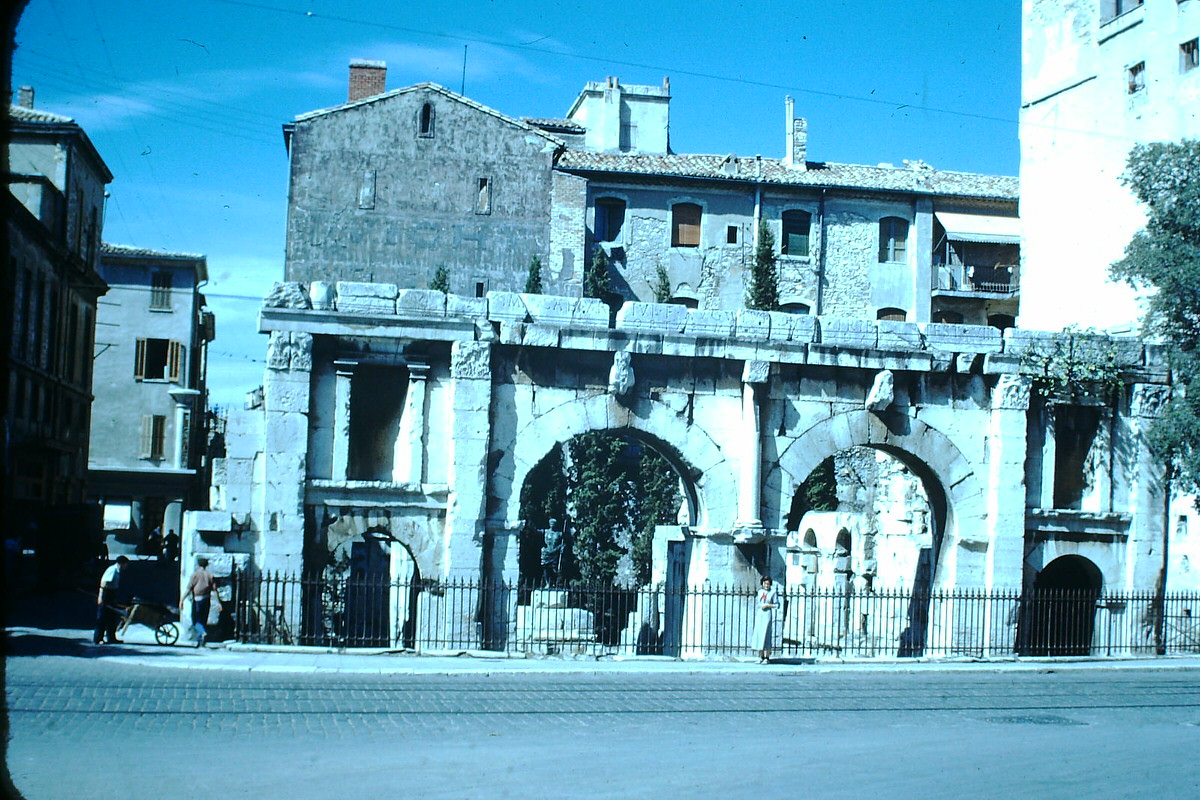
pixel 166 633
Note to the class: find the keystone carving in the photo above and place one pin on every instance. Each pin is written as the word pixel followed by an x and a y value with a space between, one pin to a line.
pixel 620 377
pixel 883 391
pixel 471 361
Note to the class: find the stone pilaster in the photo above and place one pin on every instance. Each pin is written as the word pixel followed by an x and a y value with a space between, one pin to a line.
pixel 1145 553
pixel 470 421
pixel 1005 506
pixel 754 374
pixel 341 418
pixel 410 443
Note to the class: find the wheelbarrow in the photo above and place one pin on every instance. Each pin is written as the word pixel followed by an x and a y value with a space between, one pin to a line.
pixel 163 619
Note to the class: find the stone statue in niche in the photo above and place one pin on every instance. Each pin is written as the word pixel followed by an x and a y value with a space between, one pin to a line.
pixel 620 377
pixel 553 549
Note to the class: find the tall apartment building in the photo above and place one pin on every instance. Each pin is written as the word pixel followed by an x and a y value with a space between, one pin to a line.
pixel 54 217
pixel 147 461
pixel 1097 78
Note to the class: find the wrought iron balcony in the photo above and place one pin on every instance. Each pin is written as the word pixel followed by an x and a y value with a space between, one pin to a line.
pixel 962 279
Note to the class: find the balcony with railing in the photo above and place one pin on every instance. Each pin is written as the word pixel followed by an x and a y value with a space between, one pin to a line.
pixel 962 280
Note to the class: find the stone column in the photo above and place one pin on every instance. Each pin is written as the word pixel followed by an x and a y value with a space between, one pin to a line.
pixel 341 418
pixel 286 397
pixel 1005 504
pixel 470 421
pixel 922 240
pixel 750 476
pixel 1145 554
pixel 410 443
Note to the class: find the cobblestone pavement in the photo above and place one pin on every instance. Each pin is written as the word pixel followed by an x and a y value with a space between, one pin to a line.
pixel 98 729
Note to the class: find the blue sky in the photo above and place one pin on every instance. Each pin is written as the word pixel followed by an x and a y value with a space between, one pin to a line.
pixel 185 100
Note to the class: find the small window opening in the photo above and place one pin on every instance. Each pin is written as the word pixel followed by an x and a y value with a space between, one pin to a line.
pixel 892 314
pixel 731 234
pixel 948 316
pixel 157 360
pixel 794 241
pixel 1189 55
pixel 480 289
pixel 425 126
pixel 154 436
pixel 893 239
pixel 483 202
pixel 685 225
pixel 1136 77
pixel 1002 321
pixel 610 219
pixel 160 291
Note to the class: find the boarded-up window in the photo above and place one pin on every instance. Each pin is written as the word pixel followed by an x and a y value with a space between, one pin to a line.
pixel 160 291
pixel 1135 77
pixel 892 314
pixel 366 190
pixel 794 240
pixel 685 225
pixel 893 239
pixel 154 436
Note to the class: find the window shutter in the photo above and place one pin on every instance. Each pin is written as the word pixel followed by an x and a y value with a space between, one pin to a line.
pixel 175 362
pixel 139 360
pixel 158 436
pixel 147 438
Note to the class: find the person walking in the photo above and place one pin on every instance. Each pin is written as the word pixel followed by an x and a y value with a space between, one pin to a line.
pixel 107 617
pixel 200 588
pixel 765 604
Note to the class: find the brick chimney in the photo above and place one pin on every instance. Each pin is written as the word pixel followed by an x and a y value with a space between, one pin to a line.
pixel 25 97
pixel 367 79
pixel 796 152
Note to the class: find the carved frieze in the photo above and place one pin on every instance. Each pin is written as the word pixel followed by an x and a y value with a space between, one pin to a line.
pixel 471 361
pixel 1011 392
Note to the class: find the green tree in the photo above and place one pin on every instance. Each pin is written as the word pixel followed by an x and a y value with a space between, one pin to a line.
pixel 533 281
pixel 762 292
pixel 441 280
pixel 1165 257
pixel 596 282
pixel 662 284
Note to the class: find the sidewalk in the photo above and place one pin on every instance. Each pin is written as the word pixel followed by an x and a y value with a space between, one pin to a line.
pixel 139 648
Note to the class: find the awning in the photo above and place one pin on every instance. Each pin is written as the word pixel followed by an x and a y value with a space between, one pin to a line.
pixel 117 516
pixel 980 228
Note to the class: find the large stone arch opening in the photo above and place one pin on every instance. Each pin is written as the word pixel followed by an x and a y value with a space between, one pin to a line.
pixel 1059 611
pixel 707 470
pixel 954 492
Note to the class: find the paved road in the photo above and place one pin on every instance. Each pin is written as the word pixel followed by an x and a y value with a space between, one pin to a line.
pixel 95 728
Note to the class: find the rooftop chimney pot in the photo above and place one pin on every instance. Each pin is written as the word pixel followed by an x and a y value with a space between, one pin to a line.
pixel 25 97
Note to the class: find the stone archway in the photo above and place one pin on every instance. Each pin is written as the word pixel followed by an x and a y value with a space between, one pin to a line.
pixel 955 493
pixel 707 471
pixel 1059 611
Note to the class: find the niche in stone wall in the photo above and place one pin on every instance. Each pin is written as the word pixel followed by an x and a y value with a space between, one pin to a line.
pixel 1075 438
pixel 377 395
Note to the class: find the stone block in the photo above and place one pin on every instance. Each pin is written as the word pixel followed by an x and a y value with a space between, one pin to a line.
pixel 652 317
pixel 549 309
pixel 1019 341
pixel 379 291
pixel 287 432
pixel 211 520
pixel 506 307
pixel 421 303
pixel 322 295
pixel 239 471
pixel 469 307
pixel 1001 364
pixel 512 332
pixel 952 338
pixel 781 326
pixel 590 313
pixel 714 324
pixel 895 335
pixel 804 328
pixel 856 334
pixel 220 474
pixel 753 325
pixel 372 306
pixel 285 392
pixel 540 336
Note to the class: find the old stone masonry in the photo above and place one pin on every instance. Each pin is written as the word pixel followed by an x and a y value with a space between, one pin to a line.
pixel 415 417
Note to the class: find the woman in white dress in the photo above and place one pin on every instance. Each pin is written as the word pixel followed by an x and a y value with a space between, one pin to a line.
pixel 765 603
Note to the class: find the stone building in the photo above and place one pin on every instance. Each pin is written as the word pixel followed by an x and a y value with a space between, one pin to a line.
pixel 389 186
pixel 1098 77
pixel 53 216
pixel 147 459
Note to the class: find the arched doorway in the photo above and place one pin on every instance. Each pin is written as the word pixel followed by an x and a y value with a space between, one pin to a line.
pixel 1059 613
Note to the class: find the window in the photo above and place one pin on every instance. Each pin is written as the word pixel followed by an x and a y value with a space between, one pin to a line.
pixel 154 436
pixel 946 315
pixel 1110 9
pixel 483 201
pixel 892 314
pixel 685 225
pixel 160 291
pixel 794 241
pixel 610 219
pixel 366 190
pixel 731 234
pixel 893 236
pixel 157 360
pixel 796 308
pixel 425 121
pixel 1135 77
pixel 1189 55
pixel 1002 321
pixel 480 289
pixel 628 136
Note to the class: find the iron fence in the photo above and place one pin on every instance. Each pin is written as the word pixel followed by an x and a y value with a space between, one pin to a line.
pixel 706 621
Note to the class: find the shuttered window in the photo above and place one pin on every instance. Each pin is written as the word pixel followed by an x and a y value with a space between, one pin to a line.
pixel 685 225
pixel 158 360
pixel 154 436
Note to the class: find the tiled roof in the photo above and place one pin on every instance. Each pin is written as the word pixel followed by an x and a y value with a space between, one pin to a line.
pixel 916 177
pixel 24 114
pixel 558 124
pixel 108 248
